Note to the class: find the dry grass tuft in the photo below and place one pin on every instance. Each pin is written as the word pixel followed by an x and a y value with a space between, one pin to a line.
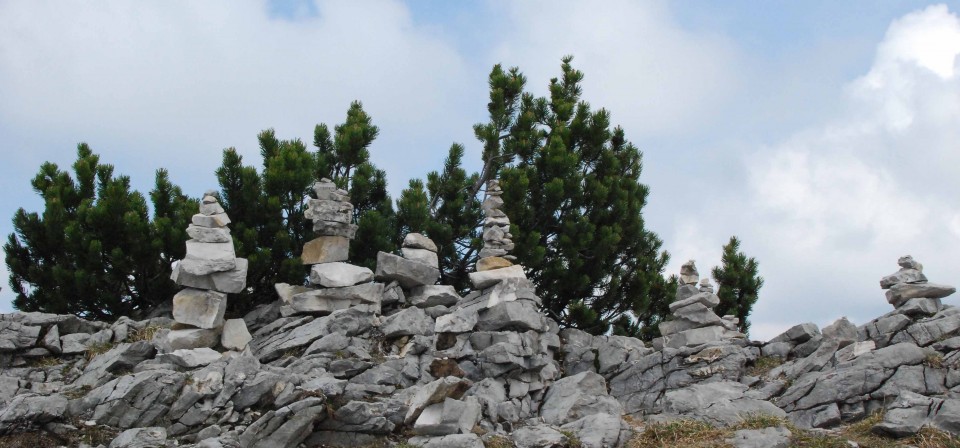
pixel 763 365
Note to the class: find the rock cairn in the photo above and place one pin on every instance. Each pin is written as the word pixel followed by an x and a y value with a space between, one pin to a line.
pixel 694 321
pixel 909 291
pixel 497 240
pixel 209 271
pixel 335 284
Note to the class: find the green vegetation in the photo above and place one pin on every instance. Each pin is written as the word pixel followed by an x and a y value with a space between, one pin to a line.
pixel 738 283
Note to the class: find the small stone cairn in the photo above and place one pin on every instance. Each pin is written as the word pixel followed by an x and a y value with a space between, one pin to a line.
pixel 694 321
pixel 209 271
pixel 335 284
pixel 909 291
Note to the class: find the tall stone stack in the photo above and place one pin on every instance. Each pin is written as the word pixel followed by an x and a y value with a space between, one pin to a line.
pixel 419 267
pixel 909 291
pixel 335 284
pixel 497 240
pixel 209 271
pixel 694 321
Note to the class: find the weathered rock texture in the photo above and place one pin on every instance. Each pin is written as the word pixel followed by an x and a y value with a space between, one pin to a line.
pixel 439 370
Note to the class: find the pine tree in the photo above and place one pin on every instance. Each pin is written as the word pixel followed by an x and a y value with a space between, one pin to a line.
pixel 572 191
pixel 94 251
pixel 738 283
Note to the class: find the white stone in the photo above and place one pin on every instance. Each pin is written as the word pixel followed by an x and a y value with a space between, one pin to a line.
pixel 339 274
pixel 188 338
pixel 199 308
pixel 206 258
pixel 219 220
pixel 432 295
pixel 192 358
pixel 235 335
pixel 209 234
pixel 419 241
pixel 232 281
pixel 486 279
pixel 421 255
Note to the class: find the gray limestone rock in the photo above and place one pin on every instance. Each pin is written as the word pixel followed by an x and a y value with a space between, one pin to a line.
pixel 706 299
pixel 406 272
pixel 75 343
pixel 854 350
pixel 153 437
pixel 199 308
pixel 520 315
pixel 538 436
pixel 329 210
pixel 578 396
pixel 212 221
pixel 461 320
pixel 842 330
pixel 124 356
pixel 486 279
pixel 191 358
pixel 138 400
pixel 772 437
pixel 597 430
pixel 900 293
pixel 689 274
pixel 232 281
pixel 339 274
pixel 449 417
pixel 17 336
pixel 328 300
pixel 325 249
pixel 32 409
pixel 424 256
pixel 408 322
pixel 170 340
pixel 419 241
pixel 334 228
pixel 722 403
pixel 920 307
pixel 906 414
pixel 206 258
pixel 209 234
pixel 51 340
pixel 235 335
pixel 904 275
pixel 694 337
pixel 433 295
pixel 798 334
pixel 284 427
pixel 448 441
pixel 433 393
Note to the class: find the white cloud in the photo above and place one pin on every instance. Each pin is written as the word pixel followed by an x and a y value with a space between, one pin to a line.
pixel 656 77
pixel 838 203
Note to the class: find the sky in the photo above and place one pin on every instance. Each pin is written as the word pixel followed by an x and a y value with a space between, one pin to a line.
pixel 824 134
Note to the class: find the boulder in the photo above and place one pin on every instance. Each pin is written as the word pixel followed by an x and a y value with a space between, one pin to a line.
pixel 32 409
pixel 199 308
pixel 689 274
pixel 842 330
pixel 339 274
pixel 449 417
pixel 408 322
pixel 520 315
pixel 596 431
pixel 904 275
pixel 325 249
pixel 460 321
pixel 708 300
pixel 329 210
pixel 722 403
pixel 432 393
pixel 538 436
pixel 212 221
pixel 798 334
pixel 328 300
pixel 334 228
pixel 17 336
pixel 187 338
pixel 406 272
pixel 694 337
pixel 235 335
pixel 577 396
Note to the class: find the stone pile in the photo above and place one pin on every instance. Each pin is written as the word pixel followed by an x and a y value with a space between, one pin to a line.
pixel 418 267
pixel 335 284
pixel 209 271
pixel 497 240
pixel 909 291
pixel 694 321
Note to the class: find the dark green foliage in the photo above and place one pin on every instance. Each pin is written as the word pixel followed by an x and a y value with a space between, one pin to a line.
pixel 267 208
pixel 94 251
pixel 572 191
pixel 738 283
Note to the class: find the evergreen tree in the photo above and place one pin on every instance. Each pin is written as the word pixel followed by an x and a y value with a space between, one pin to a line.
pixel 572 191
pixel 267 208
pixel 95 252
pixel 738 283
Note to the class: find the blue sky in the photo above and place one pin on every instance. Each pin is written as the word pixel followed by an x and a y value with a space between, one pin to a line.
pixel 824 134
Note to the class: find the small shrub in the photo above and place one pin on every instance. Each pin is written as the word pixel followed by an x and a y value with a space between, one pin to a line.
pixel 98 349
pixel 144 334
pixel 764 365
pixel 759 421
pixel 685 433
pixel 80 392
pixel 934 360
pixel 497 442
pixel 45 362
pixel 572 440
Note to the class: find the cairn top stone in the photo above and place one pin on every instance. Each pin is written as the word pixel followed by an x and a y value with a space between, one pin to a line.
pixel 689 274
pixel 908 262
pixel 419 241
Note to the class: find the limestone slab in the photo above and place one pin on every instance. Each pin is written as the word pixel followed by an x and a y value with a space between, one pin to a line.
pixel 325 249
pixel 199 308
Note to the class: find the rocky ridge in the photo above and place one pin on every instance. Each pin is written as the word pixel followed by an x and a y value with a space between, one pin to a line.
pixel 361 357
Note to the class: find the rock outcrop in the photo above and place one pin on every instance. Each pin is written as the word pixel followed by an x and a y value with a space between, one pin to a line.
pixel 417 362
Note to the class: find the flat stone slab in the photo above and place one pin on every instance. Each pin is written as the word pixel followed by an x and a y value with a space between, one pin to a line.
pixel 328 300
pixel 206 258
pixel 232 281
pixel 421 255
pixel 486 279
pixel 199 308
pixel 902 292
pixel 325 249
pixel 419 241
pixel 235 335
pixel 433 295
pixel 339 274
pixel 192 358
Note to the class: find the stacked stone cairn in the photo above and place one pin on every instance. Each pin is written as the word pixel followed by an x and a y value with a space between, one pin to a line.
pixel 694 321
pixel 209 271
pixel 334 283
pixel 909 291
